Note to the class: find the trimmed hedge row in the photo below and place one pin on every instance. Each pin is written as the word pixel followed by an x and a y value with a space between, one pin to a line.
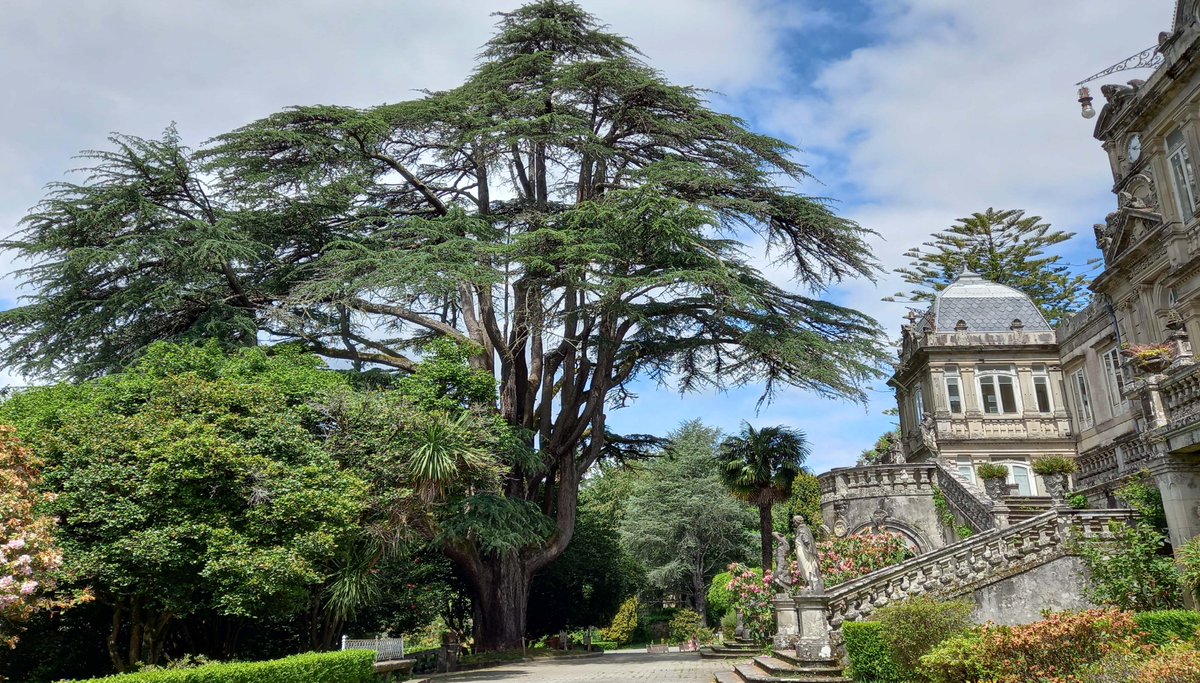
pixel 1166 625
pixel 351 666
pixel 870 657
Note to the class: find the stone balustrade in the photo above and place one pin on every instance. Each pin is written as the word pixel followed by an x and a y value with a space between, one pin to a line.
pixel 960 568
pixel 1181 397
pixel 879 480
pixel 970 504
pixel 1097 467
pixel 987 427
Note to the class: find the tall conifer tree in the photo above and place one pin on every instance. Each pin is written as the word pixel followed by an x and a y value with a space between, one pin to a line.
pixel 1006 247
pixel 567 214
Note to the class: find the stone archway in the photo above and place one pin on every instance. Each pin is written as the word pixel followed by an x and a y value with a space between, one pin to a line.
pixel 913 538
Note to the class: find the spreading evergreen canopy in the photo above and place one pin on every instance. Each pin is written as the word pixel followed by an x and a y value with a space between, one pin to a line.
pixel 1006 247
pixel 566 212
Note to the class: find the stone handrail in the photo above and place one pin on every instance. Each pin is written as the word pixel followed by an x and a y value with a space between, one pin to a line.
pixel 960 568
pixel 1098 466
pixel 989 427
pixel 879 479
pixel 971 504
pixel 1181 397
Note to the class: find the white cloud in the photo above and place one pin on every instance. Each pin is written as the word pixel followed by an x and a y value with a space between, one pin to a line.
pixel 950 108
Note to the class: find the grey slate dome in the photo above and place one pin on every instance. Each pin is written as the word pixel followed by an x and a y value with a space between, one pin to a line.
pixel 984 306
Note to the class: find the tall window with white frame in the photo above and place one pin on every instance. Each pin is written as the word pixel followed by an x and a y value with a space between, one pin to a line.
pixel 1114 378
pixel 918 402
pixel 953 390
pixel 1083 400
pixel 1041 389
pixel 1182 175
pixel 997 389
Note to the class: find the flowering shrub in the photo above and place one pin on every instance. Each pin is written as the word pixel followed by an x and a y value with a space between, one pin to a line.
pixel 28 555
pixel 1145 353
pixel 845 559
pixel 1055 650
pixel 1176 664
pixel 752 592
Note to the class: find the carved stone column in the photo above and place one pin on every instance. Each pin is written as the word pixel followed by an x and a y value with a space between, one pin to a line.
pixel 1178 480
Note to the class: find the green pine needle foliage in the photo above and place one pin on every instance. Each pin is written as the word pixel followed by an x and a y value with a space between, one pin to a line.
pixel 1004 246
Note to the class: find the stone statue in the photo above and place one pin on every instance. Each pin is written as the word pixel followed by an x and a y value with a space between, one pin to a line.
pixel 807 563
pixel 929 434
pixel 896 452
pixel 783 574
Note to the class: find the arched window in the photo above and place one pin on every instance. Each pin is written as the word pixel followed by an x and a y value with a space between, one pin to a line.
pixel 1021 474
pixel 998 390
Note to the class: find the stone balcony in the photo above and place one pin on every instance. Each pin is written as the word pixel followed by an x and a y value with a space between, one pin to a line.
pixel 1003 428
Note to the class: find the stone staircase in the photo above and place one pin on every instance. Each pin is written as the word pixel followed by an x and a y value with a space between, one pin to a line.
pixel 784 666
pixel 1021 508
pixel 952 571
pixel 735 649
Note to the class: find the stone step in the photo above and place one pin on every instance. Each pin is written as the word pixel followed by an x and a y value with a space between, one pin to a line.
pixel 752 674
pixel 778 667
pixel 710 653
pixel 790 657
pixel 727 677
pixel 738 647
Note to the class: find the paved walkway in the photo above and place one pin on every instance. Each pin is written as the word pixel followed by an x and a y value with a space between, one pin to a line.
pixel 673 667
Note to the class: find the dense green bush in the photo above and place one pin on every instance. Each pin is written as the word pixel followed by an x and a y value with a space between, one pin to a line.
pixel 720 598
pixel 913 627
pixel 1058 648
pixel 1163 626
pixel 870 657
pixel 688 624
pixel 729 625
pixel 1188 557
pixel 958 659
pixel 992 471
pixel 1055 465
pixel 1131 571
pixel 351 666
pixel 625 624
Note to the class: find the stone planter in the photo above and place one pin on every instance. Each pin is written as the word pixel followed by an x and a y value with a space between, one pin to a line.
pixel 1057 486
pixel 996 489
pixel 1151 366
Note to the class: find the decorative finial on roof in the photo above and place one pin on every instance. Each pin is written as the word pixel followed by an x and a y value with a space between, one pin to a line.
pixel 967 272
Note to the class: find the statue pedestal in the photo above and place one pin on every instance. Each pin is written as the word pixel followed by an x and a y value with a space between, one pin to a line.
pixel 801 625
pixel 787 621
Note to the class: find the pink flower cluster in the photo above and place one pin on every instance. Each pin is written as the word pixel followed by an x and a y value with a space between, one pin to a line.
pixel 28 556
pixel 846 559
pixel 752 591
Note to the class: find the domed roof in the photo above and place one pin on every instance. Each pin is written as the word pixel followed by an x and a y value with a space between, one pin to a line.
pixel 984 306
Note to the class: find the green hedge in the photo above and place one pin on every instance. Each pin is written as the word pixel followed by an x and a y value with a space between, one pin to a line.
pixel 1164 626
pixel 870 658
pixel 351 666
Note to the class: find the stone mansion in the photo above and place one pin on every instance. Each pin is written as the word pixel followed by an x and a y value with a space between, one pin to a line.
pixel 982 377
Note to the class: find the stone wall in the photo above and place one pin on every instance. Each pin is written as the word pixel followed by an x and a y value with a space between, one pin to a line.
pixel 1057 585
pixel 896 498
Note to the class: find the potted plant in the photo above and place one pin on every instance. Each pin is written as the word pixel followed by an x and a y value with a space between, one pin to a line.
pixel 994 480
pixel 1055 470
pixel 1149 357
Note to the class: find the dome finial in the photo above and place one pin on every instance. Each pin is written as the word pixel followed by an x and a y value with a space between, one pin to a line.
pixel 967 272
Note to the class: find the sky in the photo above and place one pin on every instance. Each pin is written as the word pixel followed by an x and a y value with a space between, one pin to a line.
pixel 908 113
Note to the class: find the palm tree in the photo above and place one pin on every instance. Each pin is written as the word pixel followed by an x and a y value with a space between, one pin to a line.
pixel 759 466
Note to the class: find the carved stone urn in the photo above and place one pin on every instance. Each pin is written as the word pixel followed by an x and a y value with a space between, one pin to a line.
pixel 1056 486
pixel 996 488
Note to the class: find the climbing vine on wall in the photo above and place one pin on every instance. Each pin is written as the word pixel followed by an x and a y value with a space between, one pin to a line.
pixel 946 515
